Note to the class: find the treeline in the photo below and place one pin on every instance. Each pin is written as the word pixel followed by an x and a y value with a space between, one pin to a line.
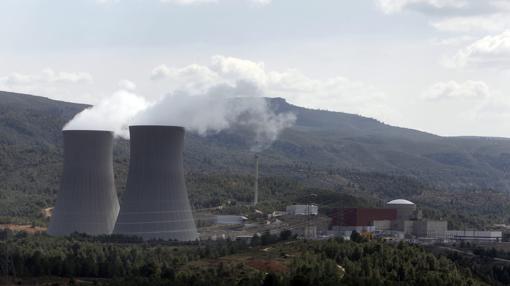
pixel 483 264
pixel 226 262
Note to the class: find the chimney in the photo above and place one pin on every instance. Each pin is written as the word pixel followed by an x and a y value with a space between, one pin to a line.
pixel 155 204
pixel 256 197
pixel 87 200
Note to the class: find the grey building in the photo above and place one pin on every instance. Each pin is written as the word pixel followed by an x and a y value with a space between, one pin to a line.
pixel 475 235
pixel 302 210
pixel 230 219
pixel 87 200
pixel 155 204
pixel 431 228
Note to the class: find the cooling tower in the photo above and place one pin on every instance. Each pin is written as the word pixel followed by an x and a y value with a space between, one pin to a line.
pixel 87 201
pixel 155 204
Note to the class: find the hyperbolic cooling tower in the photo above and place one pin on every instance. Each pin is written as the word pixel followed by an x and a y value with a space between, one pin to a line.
pixel 87 201
pixel 155 204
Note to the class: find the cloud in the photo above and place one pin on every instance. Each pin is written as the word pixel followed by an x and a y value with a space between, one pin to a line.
pixel 113 113
pixel 107 1
pixel 490 51
pixel 336 93
pixel 220 108
pixel 205 99
pixel 190 2
pixel 455 90
pixel 469 24
pixel 469 16
pixel 216 110
pixel 46 76
pixel 127 85
pixel 55 84
pixel 395 6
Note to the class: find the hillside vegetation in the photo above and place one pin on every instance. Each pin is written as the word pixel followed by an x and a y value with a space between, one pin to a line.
pixel 347 159
pixel 267 260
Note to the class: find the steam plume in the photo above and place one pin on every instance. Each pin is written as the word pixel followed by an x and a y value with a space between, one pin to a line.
pixel 221 107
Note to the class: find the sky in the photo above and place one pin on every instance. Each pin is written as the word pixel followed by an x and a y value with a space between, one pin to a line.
pixel 440 66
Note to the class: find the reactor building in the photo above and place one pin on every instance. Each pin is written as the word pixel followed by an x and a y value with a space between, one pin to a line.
pixel 155 204
pixel 87 200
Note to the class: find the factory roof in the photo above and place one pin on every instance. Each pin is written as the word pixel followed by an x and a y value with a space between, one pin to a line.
pixel 400 202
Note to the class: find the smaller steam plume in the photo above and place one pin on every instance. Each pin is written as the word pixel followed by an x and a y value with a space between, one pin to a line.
pixel 220 108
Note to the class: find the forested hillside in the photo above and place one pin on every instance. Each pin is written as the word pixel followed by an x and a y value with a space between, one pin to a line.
pixel 267 260
pixel 360 158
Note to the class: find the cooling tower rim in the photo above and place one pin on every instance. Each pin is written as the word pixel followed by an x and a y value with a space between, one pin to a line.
pixel 157 126
pixel 83 131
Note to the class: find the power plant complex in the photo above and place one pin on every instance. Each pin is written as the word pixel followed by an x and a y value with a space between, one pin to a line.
pixel 155 204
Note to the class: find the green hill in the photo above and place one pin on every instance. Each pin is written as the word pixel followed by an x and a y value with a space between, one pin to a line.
pixel 354 155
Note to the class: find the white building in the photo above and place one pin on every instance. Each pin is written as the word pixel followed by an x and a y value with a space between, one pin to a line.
pixel 474 235
pixel 302 210
pixel 230 219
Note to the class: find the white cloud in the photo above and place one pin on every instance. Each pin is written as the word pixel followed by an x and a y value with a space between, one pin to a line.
pixel 107 1
pixel 479 23
pixel 336 93
pixel 189 2
pixel 262 2
pixel 490 51
pixel 466 16
pixel 68 86
pixel 127 85
pixel 394 6
pixel 457 90
pixel 46 76
pixel 113 113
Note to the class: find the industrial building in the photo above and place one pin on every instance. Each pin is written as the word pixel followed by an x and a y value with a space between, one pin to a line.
pixel 362 216
pixel 474 235
pixel 302 210
pixel 155 204
pixel 399 215
pixel 87 200
pixel 430 228
pixel 230 219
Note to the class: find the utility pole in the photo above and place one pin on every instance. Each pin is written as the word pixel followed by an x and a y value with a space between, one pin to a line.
pixel 256 197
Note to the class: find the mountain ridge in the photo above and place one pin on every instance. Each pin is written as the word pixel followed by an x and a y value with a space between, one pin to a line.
pixel 324 149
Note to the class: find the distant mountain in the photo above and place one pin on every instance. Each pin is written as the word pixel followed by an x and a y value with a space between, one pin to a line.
pixel 333 140
pixel 324 149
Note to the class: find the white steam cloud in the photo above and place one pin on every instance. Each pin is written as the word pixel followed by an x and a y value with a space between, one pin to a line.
pixel 113 114
pixel 238 106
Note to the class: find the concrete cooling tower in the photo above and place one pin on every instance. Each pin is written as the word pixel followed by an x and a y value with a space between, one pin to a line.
pixel 155 204
pixel 87 201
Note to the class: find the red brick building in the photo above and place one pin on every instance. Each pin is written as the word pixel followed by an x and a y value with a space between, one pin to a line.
pixel 361 216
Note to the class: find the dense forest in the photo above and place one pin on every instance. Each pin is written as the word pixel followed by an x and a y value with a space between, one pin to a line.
pixel 266 260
